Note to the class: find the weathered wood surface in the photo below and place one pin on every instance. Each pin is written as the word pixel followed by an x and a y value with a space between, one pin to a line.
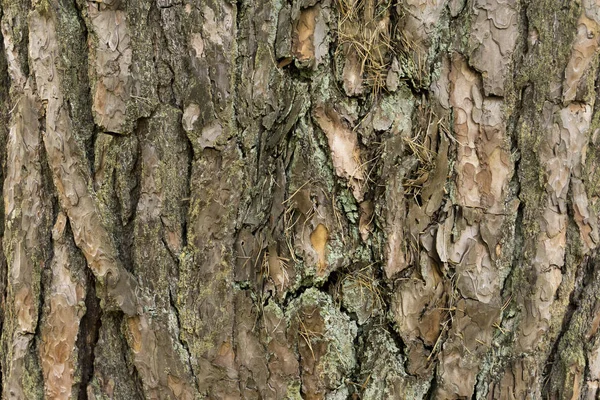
pixel 319 199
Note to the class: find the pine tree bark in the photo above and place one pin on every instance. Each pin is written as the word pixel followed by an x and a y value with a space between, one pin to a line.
pixel 320 199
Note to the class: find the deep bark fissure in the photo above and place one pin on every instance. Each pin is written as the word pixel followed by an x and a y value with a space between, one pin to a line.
pixel 128 360
pixel 436 251
pixel 573 306
pixel 182 342
pixel 4 96
pixel 88 336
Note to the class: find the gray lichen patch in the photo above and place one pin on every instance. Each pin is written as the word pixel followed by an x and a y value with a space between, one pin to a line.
pixel 382 374
pixel 325 341
pixel 299 199
pixel 362 294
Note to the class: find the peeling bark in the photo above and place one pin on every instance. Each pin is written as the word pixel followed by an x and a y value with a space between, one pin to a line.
pixel 308 199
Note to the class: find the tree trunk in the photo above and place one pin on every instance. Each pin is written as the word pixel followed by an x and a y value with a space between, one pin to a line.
pixel 319 199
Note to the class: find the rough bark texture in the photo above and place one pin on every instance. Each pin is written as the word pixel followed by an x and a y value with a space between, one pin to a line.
pixel 319 199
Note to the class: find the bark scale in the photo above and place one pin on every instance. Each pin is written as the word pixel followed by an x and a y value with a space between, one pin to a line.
pixel 321 199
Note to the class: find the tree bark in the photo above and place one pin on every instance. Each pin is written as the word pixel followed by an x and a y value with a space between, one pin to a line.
pixel 319 199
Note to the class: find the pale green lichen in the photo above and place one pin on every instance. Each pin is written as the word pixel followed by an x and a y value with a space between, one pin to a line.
pixel 382 370
pixel 361 295
pixel 341 393
pixel 394 112
pixel 339 334
pixel 348 204
pixel 294 390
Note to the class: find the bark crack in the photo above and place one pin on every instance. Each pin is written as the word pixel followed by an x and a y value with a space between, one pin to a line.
pixel 182 342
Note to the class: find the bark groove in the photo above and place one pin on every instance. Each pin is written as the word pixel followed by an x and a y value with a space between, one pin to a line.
pixel 320 199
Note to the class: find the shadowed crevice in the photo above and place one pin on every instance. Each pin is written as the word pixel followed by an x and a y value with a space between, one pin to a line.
pixel 88 335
